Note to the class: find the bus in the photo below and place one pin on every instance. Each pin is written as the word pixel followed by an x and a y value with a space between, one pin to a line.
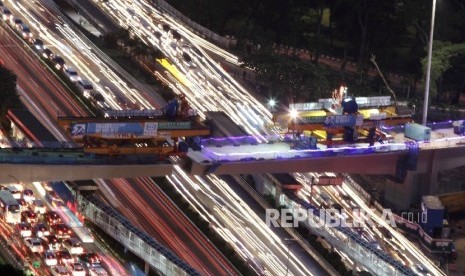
pixel 9 207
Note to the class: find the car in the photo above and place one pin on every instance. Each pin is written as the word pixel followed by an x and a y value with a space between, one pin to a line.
pixel 23 206
pixel 38 44
pixel 421 269
pixel 89 259
pixel 59 62
pixel 60 270
pixel 14 21
pixel 47 53
pixel 6 14
pixel 29 216
pixel 71 73
pixel 24 229
pixel 34 244
pixel 25 31
pixel 40 229
pixel 52 218
pixel 51 242
pixel 76 269
pixel 164 27
pixel 61 230
pixel 64 257
pixel 53 198
pixel 38 206
pixel 73 245
pixel 28 195
pixel 85 86
pixel 50 258
pixel 97 271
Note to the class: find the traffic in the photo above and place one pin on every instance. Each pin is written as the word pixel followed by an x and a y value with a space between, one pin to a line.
pixel 43 238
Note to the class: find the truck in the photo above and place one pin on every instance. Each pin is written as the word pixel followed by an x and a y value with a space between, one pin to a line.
pixel 417 132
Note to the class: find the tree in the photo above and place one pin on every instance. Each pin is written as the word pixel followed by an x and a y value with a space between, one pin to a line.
pixel 8 269
pixel 9 97
pixel 442 59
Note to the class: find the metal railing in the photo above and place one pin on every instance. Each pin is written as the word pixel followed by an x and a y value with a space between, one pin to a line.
pixel 194 26
pixel 359 250
pixel 137 241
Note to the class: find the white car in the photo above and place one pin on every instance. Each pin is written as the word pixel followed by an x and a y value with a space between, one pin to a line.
pixel 50 258
pixel 71 73
pixel 38 206
pixel 34 244
pixel 73 245
pixel 98 271
pixel 76 269
pixel 60 270
pixel 28 195
pixel 85 86
pixel 24 229
pixel 40 230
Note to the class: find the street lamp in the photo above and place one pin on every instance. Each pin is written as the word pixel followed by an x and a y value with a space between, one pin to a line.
pixel 272 103
pixel 428 67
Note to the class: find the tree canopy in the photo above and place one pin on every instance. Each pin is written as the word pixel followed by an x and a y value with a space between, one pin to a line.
pixel 8 95
pixel 396 31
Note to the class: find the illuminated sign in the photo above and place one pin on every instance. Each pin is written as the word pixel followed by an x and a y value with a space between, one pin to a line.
pixel 175 125
pixel 340 121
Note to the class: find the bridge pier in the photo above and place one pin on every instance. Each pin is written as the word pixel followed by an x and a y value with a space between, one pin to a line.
pixel 402 195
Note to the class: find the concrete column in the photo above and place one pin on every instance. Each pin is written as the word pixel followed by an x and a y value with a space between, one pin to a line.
pixel 399 195
pixel 433 174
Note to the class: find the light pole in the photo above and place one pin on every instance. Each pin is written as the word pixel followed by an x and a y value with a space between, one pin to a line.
pixel 428 68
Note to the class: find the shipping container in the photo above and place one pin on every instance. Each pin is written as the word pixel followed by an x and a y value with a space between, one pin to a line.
pixel 434 210
pixel 417 132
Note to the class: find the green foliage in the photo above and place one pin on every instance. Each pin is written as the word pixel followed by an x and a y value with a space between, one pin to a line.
pixel 8 269
pixel 395 31
pixel 9 97
pixel 441 61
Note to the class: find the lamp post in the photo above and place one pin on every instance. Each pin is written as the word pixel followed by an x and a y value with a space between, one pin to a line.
pixel 428 67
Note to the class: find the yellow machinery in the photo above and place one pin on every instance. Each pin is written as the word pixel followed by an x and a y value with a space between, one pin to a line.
pixel 315 121
pixel 125 132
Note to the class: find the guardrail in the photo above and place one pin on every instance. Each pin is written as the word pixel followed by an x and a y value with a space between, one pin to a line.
pixel 194 26
pixel 310 153
pixel 140 243
pixel 376 261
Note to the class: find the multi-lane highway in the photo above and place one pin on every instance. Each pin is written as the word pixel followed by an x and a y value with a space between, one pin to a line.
pixel 237 223
pixel 65 40
pixel 44 89
pixel 207 86
pixel 204 81
pixel 141 201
